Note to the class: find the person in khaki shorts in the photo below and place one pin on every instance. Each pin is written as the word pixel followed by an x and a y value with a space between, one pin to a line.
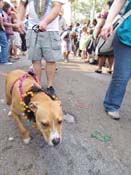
pixel 44 44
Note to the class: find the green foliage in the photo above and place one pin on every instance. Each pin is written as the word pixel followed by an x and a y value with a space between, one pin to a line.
pixel 81 10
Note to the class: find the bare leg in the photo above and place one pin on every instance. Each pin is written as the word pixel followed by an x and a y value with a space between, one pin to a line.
pixel 66 56
pixel 15 52
pixel 110 61
pixel 50 72
pixel 101 63
pixel 83 55
pixel 37 65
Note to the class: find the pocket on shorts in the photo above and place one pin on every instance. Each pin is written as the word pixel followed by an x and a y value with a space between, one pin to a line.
pixel 55 40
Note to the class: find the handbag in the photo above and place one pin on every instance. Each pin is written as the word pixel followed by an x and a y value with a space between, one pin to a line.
pixel 104 47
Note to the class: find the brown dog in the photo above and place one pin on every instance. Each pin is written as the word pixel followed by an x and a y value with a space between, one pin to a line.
pixel 24 95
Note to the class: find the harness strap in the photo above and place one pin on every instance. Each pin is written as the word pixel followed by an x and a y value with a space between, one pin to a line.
pixel 21 83
pixel 12 87
pixel 30 72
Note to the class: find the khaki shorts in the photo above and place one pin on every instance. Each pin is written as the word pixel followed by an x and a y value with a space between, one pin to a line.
pixel 43 45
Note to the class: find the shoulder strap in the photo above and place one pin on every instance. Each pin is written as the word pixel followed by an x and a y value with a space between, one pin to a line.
pixel 118 21
pixel 126 14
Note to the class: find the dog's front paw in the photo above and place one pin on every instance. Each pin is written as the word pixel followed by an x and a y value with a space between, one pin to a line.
pixel 9 113
pixel 27 140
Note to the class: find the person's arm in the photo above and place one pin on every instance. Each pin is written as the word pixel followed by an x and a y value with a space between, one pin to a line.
pixel 114 10
pixel 52 15
pixel 21 14
pixel 98 27
pixel 9 24
pixel 1 19
pixel 21 10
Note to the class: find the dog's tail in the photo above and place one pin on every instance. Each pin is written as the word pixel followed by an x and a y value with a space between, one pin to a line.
pixel 3 74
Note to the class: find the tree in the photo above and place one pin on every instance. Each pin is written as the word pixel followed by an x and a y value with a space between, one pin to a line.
pixel 81 10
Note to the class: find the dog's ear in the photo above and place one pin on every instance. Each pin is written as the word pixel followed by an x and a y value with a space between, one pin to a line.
pixel 33 107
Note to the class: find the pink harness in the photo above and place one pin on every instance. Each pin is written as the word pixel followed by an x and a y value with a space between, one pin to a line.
pixel 30 72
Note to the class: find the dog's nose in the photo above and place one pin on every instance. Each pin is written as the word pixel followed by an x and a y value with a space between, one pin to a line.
pixel 56 141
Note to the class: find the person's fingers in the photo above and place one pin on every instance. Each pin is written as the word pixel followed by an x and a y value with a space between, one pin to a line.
pixel 106 32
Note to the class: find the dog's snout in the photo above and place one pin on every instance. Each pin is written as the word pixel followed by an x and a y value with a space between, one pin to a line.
pixel 56 141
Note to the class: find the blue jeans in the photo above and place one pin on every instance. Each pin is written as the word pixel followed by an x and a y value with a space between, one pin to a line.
pixel 121 75
pixel 3 47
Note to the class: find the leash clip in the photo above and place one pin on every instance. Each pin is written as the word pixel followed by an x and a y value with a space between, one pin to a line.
pixel 36 28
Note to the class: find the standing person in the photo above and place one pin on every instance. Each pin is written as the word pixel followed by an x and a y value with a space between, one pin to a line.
pixel 66 44
pixel 7 20
pixel 82 45
pixel 77 29
pixel 23 42
pixel 46 43
pixel 108 55
pixel 3 39
pixel 122 55
pixel 15 40
pixel 23 36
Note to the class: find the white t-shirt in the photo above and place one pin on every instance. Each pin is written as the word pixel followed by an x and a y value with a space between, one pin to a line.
pixel 34 19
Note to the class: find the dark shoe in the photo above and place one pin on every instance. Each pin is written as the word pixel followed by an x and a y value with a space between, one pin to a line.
pixel 98 71
pixel 94 62
pixel 51 92
pixel 109 71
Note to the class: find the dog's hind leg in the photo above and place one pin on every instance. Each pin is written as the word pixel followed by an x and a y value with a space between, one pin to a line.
pixel 23 131
pixel 8 99
pixel 7 94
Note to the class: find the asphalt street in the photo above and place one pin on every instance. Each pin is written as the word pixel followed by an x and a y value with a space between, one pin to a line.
pixel 93 143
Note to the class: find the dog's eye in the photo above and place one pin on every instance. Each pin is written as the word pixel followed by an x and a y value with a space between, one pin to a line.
pixel 45 124
pixel 59 122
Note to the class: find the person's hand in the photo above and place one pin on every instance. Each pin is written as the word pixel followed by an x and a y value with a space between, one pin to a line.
pixel 42 26
pixel 20 26
pixel 107 30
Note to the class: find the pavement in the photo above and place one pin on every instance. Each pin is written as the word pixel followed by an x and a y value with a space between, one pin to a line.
pixel 93 143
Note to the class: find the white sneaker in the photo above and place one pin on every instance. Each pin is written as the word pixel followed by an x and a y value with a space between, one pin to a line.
pixel 65 61
pixel 114 115
pixel 8 63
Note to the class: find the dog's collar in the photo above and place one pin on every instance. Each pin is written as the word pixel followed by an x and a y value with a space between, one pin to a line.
pixel 26 98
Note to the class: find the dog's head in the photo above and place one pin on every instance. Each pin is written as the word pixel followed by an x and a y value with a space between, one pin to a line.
pixel 49 118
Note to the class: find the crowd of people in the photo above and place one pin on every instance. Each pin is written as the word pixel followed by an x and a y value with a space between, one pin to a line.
pixel 77 39
pixel 80 39
pixel 12 41
pixel 48 37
